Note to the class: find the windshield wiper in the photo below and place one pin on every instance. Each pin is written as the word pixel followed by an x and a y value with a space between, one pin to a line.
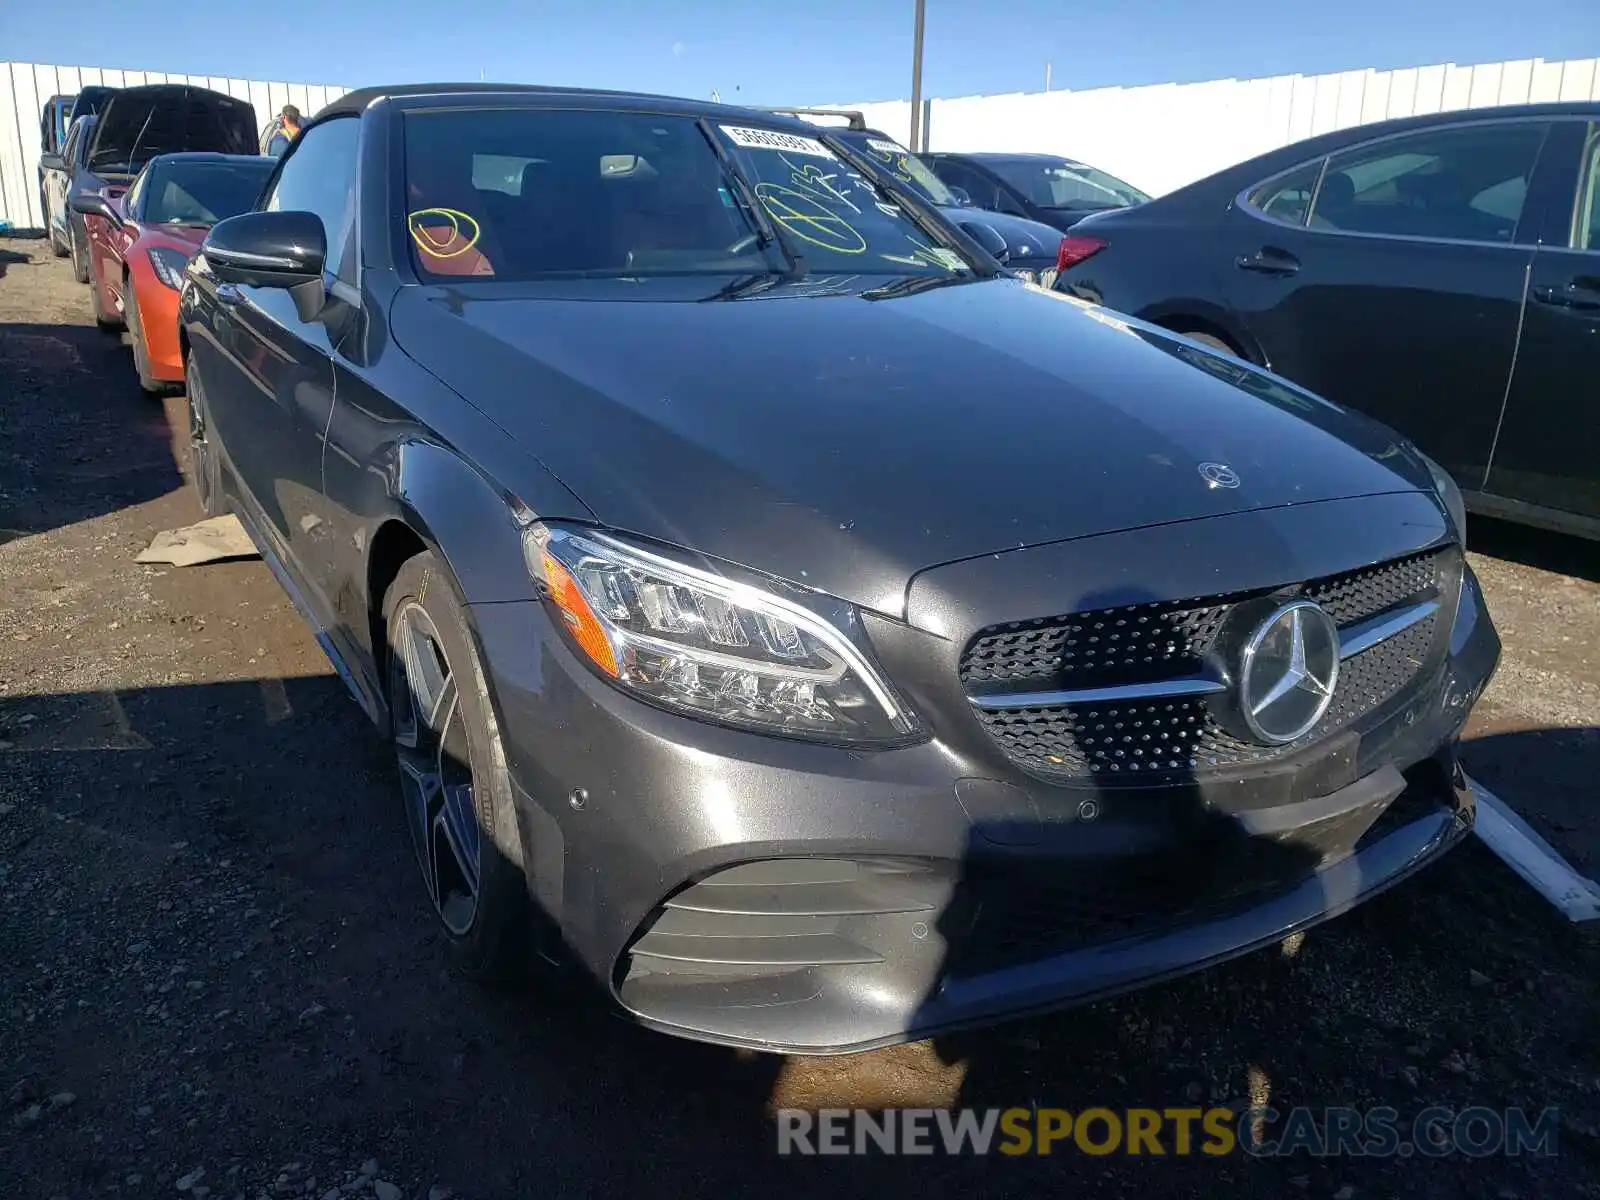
pixel 910 285
pixel 767 233
pixel 742 286
pixel 923 214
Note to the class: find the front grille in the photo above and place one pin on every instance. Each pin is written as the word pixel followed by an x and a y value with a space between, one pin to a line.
pixel 1126 645
pixel 1159 740
pixel 1142 642
pixel 1357 595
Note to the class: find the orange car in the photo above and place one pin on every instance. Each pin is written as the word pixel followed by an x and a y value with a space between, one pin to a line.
pixel 138 254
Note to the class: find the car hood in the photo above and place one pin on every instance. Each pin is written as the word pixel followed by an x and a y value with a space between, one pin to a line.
pixel 846 443
pixel 137 124
pixel 1026 239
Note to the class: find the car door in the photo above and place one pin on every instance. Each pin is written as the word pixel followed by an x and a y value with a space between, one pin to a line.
pixel 106 240
pixel 1389 277
pixel 1548 451
pixel 120 237
pixel 268 376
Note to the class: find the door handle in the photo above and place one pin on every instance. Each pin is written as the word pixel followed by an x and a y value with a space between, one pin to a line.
pixel 1268 261
pixel 1581 293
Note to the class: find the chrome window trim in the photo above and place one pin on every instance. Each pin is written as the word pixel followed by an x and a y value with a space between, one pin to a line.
pixel 1588 196
pixel 1244 203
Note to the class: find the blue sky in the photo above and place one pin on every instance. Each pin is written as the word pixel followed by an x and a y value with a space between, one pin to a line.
pixel 824 50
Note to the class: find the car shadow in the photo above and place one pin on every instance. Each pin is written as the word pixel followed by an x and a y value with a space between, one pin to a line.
pixel 78 438
pixel 9 259
pixel 1544 549
pixel 1547 776
pixel 251 833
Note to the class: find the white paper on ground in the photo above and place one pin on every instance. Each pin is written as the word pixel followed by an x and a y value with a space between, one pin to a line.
pixel 211 540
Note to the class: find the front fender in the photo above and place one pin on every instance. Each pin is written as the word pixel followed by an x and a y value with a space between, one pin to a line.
pixel 454 508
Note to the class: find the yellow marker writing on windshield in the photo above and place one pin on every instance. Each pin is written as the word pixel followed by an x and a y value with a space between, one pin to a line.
pixel 809 220
pixel 428 239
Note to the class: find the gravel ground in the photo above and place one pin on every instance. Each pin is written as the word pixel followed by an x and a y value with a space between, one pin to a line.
pixel 218 977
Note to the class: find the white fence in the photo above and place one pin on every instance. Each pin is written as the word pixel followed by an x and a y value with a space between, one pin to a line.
pixel 24 88
pixel 1166 135
pixel 1157 137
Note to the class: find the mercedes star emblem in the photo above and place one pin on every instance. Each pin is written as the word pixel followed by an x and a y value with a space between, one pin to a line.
pixel 1219 475
pixel 1288 672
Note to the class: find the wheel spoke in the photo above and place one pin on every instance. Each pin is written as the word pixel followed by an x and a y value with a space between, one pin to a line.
pixel 431 684
pixel 420 788
pixel 435 762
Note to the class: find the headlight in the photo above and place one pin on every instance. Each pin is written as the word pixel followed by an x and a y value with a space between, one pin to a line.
pixel 714 648
pixel 1449 495
pixel 169 266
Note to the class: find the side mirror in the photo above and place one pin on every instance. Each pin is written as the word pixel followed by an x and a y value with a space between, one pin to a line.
pixel 52 162
pixel 272 250
pixel 96 204
pixel 989 238
pixel 960 194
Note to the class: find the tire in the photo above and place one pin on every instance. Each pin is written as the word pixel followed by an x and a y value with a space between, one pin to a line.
pixel 454 786
pixel 80 256
pixel 141 352
pixel 204 465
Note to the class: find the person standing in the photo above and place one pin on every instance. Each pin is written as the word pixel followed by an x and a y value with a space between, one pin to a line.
pixel 280 135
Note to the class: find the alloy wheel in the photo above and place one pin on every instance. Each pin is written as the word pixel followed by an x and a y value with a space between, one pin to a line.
pixel 201 461
pixel 436 783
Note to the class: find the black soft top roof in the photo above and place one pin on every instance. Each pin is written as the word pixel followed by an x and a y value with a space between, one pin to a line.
pixel 535 95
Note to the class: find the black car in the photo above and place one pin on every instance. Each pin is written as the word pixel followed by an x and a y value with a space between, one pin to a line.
pixel 1026 247
pixel 816 635
pixel 1042 187
pixel 1441 273
pixel 135 125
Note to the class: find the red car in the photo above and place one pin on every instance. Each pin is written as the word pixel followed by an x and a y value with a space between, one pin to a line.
pixel 138 254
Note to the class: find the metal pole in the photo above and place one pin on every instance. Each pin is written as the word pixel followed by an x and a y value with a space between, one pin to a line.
pixel 916 82
pixel 1047 74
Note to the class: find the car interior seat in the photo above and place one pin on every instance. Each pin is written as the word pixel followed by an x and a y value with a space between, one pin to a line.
pixel 1336 201
pixel 565 219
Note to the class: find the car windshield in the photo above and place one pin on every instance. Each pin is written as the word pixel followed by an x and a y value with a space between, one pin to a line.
pixel 203 193
pixel 903 165
pixel 538 193
pixel 1062 183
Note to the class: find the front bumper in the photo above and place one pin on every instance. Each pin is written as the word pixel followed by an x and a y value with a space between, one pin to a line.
pixel 747 890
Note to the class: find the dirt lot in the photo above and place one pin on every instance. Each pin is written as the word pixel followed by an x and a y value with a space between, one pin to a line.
pixel 214 957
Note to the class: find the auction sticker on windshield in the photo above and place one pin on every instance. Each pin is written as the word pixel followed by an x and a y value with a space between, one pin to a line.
pixel 883 147
pixel 772 139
